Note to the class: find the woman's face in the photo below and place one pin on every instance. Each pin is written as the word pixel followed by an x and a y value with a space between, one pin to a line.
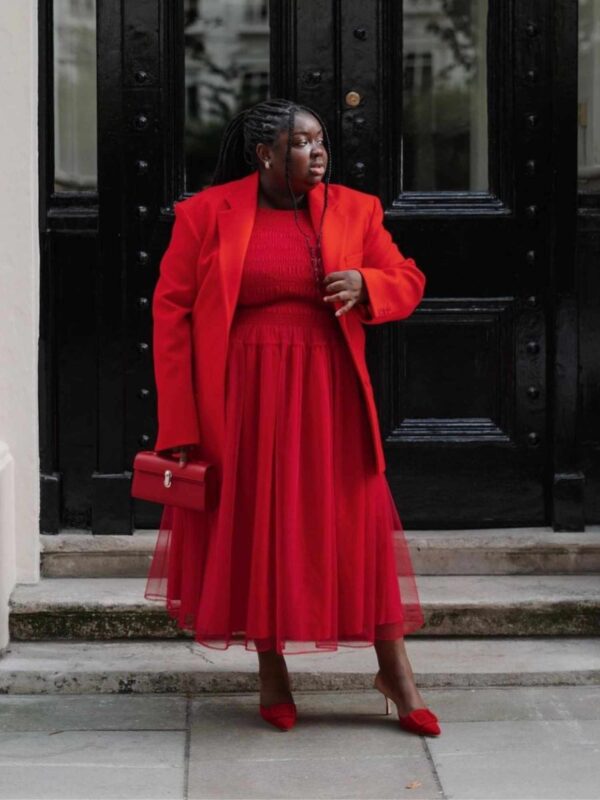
pixel 308 156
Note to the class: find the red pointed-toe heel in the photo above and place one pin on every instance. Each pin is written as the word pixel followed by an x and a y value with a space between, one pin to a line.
pixel 282 715
pixel 419 720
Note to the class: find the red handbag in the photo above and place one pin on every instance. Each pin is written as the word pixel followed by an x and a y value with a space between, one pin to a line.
pixel 161 479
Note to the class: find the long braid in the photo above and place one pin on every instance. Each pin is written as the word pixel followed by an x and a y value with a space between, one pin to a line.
pixel 288 158
pixel 231 152
pixel 264 122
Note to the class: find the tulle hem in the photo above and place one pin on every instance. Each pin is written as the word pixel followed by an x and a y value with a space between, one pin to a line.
pixel 412 618
pixel 385 632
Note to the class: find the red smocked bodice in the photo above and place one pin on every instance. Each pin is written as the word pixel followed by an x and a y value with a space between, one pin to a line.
pixel 278 268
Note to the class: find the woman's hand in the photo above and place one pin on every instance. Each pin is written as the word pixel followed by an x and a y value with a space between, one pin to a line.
pixel 346 285
pixel 183 451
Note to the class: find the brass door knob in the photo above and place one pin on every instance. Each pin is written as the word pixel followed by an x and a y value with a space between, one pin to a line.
pixel 352 99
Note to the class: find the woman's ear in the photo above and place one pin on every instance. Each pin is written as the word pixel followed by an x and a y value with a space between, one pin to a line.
pixel 263 153
pixel 260 152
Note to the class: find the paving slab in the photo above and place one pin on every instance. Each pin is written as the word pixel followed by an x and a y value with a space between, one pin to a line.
pixel 35 712
pixel 518 744
pixel 94 765
pixel 172 667
pixel 506 742
pixel 509 760
pixel 92 746
pixel 342 747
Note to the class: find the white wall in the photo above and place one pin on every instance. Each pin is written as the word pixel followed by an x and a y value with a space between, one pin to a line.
pixel 19 301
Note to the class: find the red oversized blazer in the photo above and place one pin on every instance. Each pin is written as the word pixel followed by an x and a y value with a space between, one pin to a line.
pixel 196 294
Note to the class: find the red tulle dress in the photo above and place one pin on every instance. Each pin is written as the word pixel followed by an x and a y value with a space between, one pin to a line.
pixel 306 550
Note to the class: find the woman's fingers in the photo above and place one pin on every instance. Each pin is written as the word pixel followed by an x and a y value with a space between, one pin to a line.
pixel 345 308
pixel 337 285
pixel 347 296
pixel 343 289
pixel 184 453
pixel 347 293
pixel 180 452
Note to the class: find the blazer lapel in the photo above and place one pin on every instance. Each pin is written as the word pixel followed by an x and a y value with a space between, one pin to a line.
pixel 333 239
pixel 235 228
pixel 333 236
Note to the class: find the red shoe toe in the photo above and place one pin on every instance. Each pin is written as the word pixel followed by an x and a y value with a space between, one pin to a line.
pixel 420 720
pixel 282 715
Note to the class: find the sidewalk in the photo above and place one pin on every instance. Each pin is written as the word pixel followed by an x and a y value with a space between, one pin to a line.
pixel 509 742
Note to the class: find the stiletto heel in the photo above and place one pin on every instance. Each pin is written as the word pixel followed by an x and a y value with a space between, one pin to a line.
pixel 419 720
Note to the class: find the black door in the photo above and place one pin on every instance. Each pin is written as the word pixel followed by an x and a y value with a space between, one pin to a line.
pixel 455 130
pixel 447 109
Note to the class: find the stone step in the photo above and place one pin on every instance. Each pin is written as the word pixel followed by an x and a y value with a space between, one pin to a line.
pixel 180 667
pixel 463 605
pixel 82 555
pixel 500 551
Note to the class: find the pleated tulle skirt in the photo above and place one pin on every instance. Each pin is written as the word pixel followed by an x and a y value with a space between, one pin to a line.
pixel 306 550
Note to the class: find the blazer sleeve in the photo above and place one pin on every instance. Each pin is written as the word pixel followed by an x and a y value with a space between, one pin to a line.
pixel 172 305
pixel 394 284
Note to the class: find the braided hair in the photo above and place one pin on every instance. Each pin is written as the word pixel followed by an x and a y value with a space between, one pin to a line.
pixel 262 123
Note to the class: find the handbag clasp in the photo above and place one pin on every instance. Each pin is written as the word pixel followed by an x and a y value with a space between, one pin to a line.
pixel 168 476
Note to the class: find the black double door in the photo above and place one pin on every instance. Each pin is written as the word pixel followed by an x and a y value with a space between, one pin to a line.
pixel 454 114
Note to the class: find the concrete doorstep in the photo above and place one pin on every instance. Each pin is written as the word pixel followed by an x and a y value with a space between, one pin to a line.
pixel 453 605
pixel 188 667
pixel 492 551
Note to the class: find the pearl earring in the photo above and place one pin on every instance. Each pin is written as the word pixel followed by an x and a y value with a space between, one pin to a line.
pixel 267 164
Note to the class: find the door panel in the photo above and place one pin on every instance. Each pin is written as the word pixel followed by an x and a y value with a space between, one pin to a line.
pixel 461 383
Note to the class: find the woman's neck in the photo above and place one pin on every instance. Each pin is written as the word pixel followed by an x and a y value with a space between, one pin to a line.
pixel 267 199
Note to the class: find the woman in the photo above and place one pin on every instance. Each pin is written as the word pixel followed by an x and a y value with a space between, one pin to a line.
pixel 259 358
